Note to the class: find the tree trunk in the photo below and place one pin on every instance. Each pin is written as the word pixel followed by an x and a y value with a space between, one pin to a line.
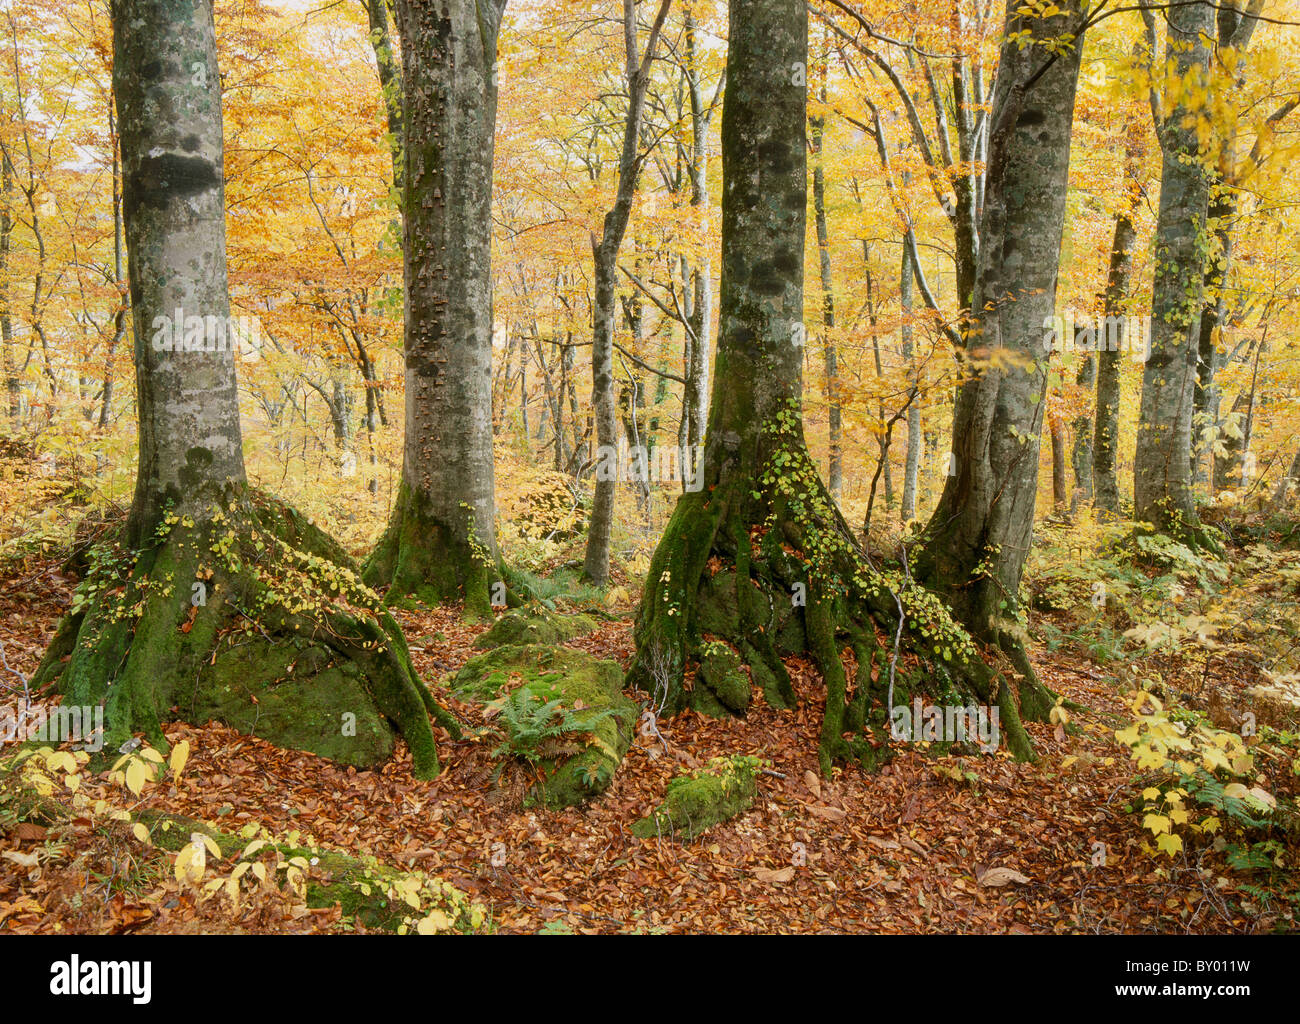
pixel 119 280
pixel 1109 353
pixel 760 556
pixel 1288 487
pixel 1081 453
pixel 912 464
pixel 696 395
pixel 605 253
pixel 221 604
pixel 830 357
pixel 981 531
pixel 390 83
pixel 10 363
pixel 1235 29
pixel 1162 469
pixel 441 544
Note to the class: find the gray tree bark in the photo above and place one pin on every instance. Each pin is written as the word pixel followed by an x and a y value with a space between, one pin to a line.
pixel 762 543
pixel 440 544
pixel 1105 443
pixel 217 603
pixel 912 463
pixel 980 533
pixel 173 199
pixel 1162 467
pixel 604 251
pixel 830 357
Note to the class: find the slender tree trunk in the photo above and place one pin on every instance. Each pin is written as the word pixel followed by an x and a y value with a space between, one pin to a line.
pixel 1235 29
pixel 816 126
pixel 605 254
pixel 912 464
pixel 1109 354
pixel 1081 453
pixel 119 280
pixel 1060 491
pixel 10 363
pixel 440 544
pixel 980 534
pixel 696 396
pixel 390 82
pixel 1288 487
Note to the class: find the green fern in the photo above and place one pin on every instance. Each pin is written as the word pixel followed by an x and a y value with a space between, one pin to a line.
pixel 534 727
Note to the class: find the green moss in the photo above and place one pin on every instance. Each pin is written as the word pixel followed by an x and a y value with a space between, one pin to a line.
pixel 297 695
pixel 285 642
pixel 535 626
pixel 721 674
pixel 585 686
pixel 696 802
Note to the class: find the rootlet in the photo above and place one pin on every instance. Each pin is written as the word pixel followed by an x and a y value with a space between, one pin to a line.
pixel 101 978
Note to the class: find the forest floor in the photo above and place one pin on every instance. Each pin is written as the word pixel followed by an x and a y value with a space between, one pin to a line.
pixel 908 849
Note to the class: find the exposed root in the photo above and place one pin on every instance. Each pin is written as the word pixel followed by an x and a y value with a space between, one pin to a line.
pixel 433 562
pixel 800 582
pixel 248 615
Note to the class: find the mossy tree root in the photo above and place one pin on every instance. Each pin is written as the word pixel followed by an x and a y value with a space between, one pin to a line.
pixel 788 543
pixel 252 616
pixel 421 557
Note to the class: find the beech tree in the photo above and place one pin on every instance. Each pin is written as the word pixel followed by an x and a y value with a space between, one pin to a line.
pixel 604 250
pixel 760 557
pixel 979 535
pixel 441 544
pixel 216 601
pixel 1163 492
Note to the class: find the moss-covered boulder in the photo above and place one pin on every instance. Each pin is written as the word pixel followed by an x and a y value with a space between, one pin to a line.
pixel 697 801
pixel 242 611
pixel 561 711
pixel 314 701
pixel 535 626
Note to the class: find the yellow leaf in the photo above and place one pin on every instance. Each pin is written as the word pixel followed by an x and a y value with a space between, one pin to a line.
pixel 180 754
pixel 1170 844
pixel 191 861
pixel 140 832
pixel 1157 823
pixel 135 776
pixel 436 922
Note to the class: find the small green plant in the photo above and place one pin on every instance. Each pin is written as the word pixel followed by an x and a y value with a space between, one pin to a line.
pixel 537 729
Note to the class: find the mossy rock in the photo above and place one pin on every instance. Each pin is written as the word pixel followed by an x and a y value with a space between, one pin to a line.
pixel 535 626
pixel 721 675
pixel 696 802
pixel 306 699
pixel 586 687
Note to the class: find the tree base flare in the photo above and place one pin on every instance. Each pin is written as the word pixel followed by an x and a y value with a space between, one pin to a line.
pixel 422 558
pixel 252 616
pixel 758 574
